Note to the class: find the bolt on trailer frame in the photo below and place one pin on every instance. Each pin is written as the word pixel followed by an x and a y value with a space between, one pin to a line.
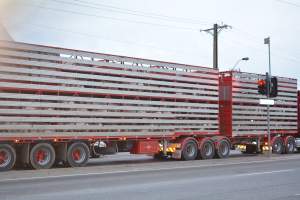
pixel 56 96
pixel 244 119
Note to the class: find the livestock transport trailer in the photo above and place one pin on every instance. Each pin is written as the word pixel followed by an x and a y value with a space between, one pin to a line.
pixel 65 106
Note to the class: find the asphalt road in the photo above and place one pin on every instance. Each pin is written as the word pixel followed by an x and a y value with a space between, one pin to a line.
pixel 125 177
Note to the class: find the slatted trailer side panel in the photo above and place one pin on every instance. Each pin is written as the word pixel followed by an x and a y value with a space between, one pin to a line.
pixel 298 112
pixel 55 92
pixel 239 99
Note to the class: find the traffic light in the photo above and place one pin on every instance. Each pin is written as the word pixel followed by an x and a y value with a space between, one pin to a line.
pixel 274 87
pixel 262 86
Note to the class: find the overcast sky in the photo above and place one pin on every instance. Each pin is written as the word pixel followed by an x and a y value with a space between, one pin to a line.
pixel 165 30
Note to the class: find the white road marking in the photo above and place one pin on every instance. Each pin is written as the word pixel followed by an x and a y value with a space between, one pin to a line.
pixel 150 170
pixel 268 172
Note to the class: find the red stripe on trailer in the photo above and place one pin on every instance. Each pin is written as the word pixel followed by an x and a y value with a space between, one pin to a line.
pixel 225 105
pixel 132 137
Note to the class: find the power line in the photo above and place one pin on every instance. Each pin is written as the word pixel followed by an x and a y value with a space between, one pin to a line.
pixel 288 3
pixel 257 40
pixel 111 18
pixel 143 14
pixel 42 26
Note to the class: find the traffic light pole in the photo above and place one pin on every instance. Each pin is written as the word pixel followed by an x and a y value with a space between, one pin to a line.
pixel 268 116
pixel 267 41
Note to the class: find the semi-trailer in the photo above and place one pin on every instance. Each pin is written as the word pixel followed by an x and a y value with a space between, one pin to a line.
pixel 65 106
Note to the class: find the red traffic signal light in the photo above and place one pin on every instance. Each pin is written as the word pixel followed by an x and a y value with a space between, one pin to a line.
pixel 262 86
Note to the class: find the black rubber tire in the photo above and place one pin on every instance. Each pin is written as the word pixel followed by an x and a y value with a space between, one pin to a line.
pixel 278 146
pixel 189 150
pixel 223 149
pixel 49 154
pixel 10 161
pixel 83 153
pixel 290 145
pixel 207 150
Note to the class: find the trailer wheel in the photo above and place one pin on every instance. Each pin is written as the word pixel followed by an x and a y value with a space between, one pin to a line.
pixel 277 145
pixel 7 157
pixel 78 154
pixel 207 150
pixel 223 149
pixel 190 150
pixel 42 156
pixel 289 146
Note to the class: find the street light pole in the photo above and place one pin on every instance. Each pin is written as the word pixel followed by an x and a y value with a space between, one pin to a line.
pixel 267 41
pixel 237 62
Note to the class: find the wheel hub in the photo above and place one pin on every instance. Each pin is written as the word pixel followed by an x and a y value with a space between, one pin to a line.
pixel 4 158
pixel 78 155
pixel 207 149
pixel 42 157
pixel 190 150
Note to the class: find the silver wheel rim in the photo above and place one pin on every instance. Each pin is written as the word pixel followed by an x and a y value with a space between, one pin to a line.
pixel 290 146
pixel 224 148
pixel 208 149
pixel 82 155
pixel 5 158
pixel 190 150
pixel 277 147
pixel 46 156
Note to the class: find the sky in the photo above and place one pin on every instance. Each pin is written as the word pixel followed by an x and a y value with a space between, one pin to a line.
pixel 166 30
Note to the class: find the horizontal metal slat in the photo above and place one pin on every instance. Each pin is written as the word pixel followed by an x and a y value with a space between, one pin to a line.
pixel 103 107
pixel 102 120
pixel 254 91
pixel 262 108
pixel 258 123
pixel 40 97
pixel 56 50
pixel 241 86
pixel 256 101
pixel 253 77
pixel 106 64
pixel 101 114
pixel 97 134
pixel 255 113
pixel 103 91
pixel 6 68
pixel 240 117
pixel 262 127
pixel 258 96
pixel 107 71
pixel 97 127
pixel 102 84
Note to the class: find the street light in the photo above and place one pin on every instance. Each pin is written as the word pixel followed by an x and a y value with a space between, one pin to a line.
pixel 237 62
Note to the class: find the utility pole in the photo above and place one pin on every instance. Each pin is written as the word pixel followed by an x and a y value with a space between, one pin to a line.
pixel 214 32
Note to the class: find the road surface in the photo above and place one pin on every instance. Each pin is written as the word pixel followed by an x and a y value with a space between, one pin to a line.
pixel 239 177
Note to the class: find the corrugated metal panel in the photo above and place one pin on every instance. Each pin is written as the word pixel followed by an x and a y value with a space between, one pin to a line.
pixel 48 91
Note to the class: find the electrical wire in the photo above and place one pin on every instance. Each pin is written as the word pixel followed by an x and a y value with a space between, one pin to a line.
pixel 47 27
pixel 111 18
pixel 289 3
pixel 143 14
